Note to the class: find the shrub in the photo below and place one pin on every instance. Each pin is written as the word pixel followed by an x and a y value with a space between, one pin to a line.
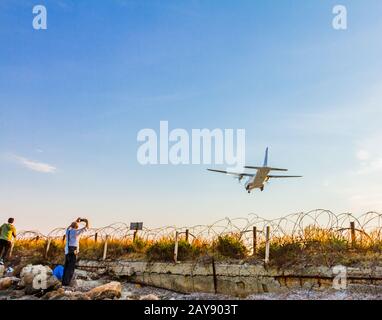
pixel 162 250
pixel 231 246
pixel 137 246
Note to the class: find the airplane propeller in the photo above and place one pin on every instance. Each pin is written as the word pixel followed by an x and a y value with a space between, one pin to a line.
pixel 239 178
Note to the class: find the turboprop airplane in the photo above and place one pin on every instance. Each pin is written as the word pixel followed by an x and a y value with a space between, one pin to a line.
pixel 257 180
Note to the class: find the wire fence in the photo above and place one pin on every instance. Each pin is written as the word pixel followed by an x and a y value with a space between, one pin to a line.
pixel 363 227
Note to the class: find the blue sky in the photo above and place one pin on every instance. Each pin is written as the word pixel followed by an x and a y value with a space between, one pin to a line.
pixel 74 96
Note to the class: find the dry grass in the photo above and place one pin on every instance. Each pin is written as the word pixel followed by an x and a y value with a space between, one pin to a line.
pixel 317 246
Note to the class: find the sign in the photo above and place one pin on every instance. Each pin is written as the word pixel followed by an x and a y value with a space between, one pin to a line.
pixel 136 225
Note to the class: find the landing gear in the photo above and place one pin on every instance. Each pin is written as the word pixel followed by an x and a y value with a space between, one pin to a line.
pixel 262 188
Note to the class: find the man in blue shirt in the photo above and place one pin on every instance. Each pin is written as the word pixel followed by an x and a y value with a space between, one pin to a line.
pixel 72 248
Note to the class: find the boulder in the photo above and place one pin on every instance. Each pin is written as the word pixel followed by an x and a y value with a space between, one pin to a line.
pixel 110 290
pixel 38 278
pixel 61 294
pixel 6 283
pixel 149 297
pixel 52 295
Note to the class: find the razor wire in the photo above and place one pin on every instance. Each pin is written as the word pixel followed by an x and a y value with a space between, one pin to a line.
pixel 295 226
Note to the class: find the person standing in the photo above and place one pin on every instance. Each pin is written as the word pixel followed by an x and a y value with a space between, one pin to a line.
pixel 73 233
pixel 7 233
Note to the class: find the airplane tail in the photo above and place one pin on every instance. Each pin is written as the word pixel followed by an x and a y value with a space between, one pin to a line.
pixel 266 158
pixel 265 165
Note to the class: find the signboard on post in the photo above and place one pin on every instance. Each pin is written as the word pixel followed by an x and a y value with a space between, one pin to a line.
pixel 136 226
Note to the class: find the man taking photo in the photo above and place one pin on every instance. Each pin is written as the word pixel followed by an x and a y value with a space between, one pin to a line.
pixel 73 233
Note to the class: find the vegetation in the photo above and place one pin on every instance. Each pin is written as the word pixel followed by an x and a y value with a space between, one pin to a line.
pixel 314 246
pixel 231 246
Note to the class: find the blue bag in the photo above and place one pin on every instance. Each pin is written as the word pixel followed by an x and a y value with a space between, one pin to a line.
pixel 58 272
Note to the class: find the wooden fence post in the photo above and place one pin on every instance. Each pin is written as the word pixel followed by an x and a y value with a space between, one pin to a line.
pixel 135 235
pixel 267 244
pixel 47 247
pixel 105 248
pixel 96 237
pixel 176 248
pixel 254 244
pixel 352 230
pixel 187 235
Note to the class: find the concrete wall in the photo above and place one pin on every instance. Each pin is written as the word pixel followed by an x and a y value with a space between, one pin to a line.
pixel 232 279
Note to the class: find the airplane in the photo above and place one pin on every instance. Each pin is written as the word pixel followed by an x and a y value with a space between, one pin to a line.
pixel 258 180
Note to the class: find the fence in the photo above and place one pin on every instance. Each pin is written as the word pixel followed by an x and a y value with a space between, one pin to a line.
pixel 252 230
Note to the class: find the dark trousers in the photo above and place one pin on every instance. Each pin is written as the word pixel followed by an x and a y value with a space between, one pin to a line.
pixel 4 245
pixel 70 264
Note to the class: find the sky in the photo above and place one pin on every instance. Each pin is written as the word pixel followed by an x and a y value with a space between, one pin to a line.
pixel 73 98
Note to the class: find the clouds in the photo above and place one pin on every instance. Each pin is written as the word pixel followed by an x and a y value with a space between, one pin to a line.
pixel 369 155
pixel 363 155
pixel 34 165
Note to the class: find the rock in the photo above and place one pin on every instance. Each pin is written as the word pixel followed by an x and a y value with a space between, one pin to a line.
pixel 38 278
pixel 28 297
pixel 6 283
pixel 149 297
pixel 110 290
pixel 61 294
pixel 81 275
pixel 54 294
pixel 83 285
pixel 16 294
pixel 79 296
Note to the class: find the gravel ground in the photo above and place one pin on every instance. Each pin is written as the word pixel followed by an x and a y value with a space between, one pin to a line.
pixel 134 291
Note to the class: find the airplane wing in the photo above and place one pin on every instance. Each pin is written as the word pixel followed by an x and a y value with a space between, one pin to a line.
pixel 272 169
pixel 233 173
pixel 273 176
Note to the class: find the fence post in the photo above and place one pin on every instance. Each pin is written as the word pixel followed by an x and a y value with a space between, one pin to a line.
pixel 96 237
pixel 105 248
pixel 135 235
pixel 352 230
pixel 176 248
pixel 267 244
pixel 47 247
pixel 254 240
pixel 187 235
pixel 214 275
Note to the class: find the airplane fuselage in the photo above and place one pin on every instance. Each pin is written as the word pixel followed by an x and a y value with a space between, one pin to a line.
pixel 257 182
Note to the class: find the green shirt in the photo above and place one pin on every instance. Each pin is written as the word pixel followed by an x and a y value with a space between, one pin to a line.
pixel 7 231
